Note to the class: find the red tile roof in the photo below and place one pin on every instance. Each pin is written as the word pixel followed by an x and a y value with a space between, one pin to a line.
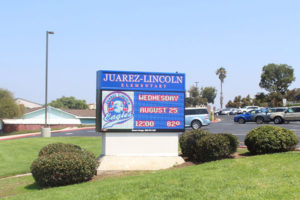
pixel 29 110
pixel 81 113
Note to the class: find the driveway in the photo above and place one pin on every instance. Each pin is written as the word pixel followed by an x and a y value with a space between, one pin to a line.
pixel 240 130
pixel 226 125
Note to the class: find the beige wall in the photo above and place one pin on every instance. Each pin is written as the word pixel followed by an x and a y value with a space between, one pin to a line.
pixel 92 106
pixel 27 104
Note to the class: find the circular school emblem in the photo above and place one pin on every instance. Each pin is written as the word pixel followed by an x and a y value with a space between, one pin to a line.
pixel 117 108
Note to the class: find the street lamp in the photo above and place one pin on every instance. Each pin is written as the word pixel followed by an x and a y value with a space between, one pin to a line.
pixel 46 131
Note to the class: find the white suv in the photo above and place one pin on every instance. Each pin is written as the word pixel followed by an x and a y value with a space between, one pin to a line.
pixel 247 109
pixel 196 117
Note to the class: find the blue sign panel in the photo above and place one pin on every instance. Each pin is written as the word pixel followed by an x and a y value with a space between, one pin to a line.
pixel 139 101
pixel 159 110
pixel 144 81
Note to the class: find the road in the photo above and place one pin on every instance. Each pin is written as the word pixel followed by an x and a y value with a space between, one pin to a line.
pixel 240 130
pixel 225 126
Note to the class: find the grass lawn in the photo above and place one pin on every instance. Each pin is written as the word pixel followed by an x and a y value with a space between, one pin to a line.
pixel 17 155
pixel 14 186
pixel 273 176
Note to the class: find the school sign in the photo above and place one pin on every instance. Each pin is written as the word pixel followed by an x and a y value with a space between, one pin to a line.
pixel 140 116
pixel 140 101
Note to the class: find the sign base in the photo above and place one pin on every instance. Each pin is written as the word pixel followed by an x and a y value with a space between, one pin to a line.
pixel 139 151
pixel 140 144
pixel 137 163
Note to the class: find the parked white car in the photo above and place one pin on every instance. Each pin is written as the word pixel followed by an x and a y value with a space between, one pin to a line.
pixel 233 111
pixel 225 111
pixel 247 109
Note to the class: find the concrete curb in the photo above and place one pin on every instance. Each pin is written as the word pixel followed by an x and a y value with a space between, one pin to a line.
pixel 9 137
pixel 216 120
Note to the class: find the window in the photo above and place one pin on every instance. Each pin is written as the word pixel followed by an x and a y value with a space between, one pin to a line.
pixel 187 112
pixel 290 110
pixel 253 107
pixel 196 112
pixel 296 109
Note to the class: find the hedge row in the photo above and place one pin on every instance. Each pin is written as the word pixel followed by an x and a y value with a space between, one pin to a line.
pixel 200 145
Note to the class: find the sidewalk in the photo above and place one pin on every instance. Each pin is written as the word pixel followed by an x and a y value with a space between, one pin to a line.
pixel 9 137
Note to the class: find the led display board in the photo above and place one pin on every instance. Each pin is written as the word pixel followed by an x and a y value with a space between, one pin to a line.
pixel 140 101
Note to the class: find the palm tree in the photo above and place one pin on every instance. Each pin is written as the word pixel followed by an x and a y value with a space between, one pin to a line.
pixel 221 72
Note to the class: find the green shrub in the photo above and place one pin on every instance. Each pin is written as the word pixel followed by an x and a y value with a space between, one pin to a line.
pixel 188 141
pixel 270 139
pixel 59 147
pixel 200 145
pixel 212 147
pixel 62 164
pixel 64 168
pixel 234 142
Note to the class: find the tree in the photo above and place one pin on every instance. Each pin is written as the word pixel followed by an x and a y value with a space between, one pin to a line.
pixel 239 102
pixel 221 72
pixel 209 93
pixel 8 107
pixel 246 101
pixel 230 104
pixel 261 99
pixel 275 99
pixel 291 94
pixel 194 92
pixel 195 99
pixel 277 78
pixel 69 103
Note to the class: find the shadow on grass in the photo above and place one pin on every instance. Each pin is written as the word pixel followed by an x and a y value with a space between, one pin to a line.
pixel 32 186
pixel 236 155
pixel 246 154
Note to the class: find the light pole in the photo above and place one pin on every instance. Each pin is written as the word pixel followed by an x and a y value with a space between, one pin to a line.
pixel 46 131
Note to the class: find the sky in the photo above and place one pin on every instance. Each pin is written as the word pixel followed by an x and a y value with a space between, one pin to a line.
pixel 191 37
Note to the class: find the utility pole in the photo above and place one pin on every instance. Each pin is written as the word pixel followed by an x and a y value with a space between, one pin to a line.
pixel 196 84
pixel 46 131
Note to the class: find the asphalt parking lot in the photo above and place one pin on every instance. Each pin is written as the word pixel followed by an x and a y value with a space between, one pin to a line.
pixel 226 125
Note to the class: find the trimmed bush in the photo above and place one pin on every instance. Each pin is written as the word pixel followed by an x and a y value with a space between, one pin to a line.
pixel 63 164
pixel 188 141
pixel 233 140
pixel 64 168
pixel 270 139
pixel 213 147
pixel 59 147
pixel 201 145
